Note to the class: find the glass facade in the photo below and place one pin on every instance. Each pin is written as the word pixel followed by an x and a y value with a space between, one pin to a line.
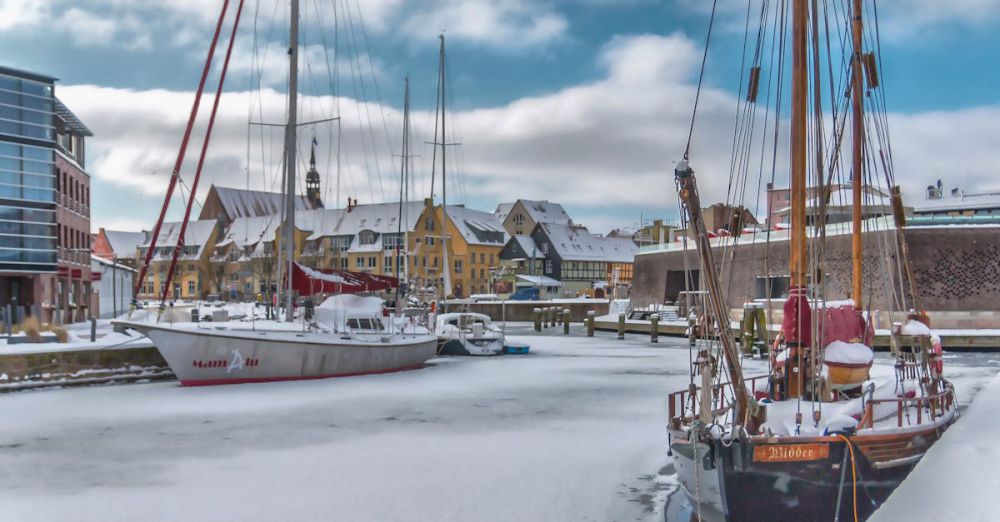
pixel 28 232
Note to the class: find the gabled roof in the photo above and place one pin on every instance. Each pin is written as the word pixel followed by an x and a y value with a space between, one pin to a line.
pixel 382 218
pixel 528 245
pixel 546 212
pixel 247 203
pixel 248 231
pixel 124 244
pixel 197 234
pixel 477 227
pixel 578 244
pixel 502 211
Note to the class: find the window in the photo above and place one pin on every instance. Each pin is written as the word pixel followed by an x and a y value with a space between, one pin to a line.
pixel 472 259
pixel 343 263
pixel 458 266
pixel 548 266
pixel 366 237
pixel 371 261
pixel 491 259
pixel 430 241
pixel 360 262
pixel 387 262
pixel 482 273
pixel 435 262
pixel 518 219
pixel 429 224
pixel 545 248
pixel 482 258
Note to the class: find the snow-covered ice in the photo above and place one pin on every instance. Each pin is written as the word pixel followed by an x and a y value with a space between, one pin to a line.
pixel 574 431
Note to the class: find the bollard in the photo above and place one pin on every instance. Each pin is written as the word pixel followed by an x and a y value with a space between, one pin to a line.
pixel 545 317
pixel 621 326
pixel 566 321
pixel 590 322
pixel 537 316
pixel 654 328
pixel 8 320
pixel 555 315
pixel 93 330
pixel 20 314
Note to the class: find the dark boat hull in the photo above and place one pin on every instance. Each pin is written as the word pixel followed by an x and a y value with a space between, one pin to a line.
pixel 751 490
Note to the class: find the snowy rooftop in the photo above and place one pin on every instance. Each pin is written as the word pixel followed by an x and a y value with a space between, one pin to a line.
pixel 477 227
pixel 528 245
pixel 960 202
pixel 502 211
pixel 245 203
pixel 382 218
pixel 248 231
pixel 578 244
pixel 546 212
pixel 124 244
pixel 197 234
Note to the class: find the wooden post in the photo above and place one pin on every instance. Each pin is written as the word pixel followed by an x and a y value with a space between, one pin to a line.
pixel 590 322
pixel 565 317
pixel 621 326
pixel 654 328
pixel 537 316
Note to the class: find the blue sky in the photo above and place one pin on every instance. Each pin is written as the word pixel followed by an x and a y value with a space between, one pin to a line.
pixel 524 77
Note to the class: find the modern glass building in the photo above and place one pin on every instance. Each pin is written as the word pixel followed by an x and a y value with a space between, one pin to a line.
pixel 28 234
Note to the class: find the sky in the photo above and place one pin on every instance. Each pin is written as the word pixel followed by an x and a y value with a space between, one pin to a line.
pixel 583 102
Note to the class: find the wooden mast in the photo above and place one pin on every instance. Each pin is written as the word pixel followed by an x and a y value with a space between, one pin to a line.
pixel 290 128
pixel 797 260
pixel 445 269
pixel 857 151
pixel 797 315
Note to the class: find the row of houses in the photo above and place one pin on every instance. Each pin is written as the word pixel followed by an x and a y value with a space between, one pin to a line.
pixel 232 249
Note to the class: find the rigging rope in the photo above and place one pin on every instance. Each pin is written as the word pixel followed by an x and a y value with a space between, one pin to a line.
pixel 701 77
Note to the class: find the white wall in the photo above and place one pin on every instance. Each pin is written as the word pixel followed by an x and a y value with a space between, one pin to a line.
pixel 114 290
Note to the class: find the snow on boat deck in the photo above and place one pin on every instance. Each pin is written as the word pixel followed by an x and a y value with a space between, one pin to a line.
pixel 957 479
pixel 573 431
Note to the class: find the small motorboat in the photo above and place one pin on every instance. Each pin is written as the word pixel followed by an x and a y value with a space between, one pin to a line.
pixel 467 333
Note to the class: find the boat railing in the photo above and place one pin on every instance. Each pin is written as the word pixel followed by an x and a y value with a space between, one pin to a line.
pixel 937 405
pixel 687 400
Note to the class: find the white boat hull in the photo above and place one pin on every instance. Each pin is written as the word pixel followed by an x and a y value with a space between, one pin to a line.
pixel 201 356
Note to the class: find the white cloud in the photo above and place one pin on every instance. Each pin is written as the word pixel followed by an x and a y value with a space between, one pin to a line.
pixel 608 145
pixel 515 24
pixel 20 13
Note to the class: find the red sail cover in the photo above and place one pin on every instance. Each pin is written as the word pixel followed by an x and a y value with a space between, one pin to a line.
pixel 796 326
pixel 842 322
pixel 308 281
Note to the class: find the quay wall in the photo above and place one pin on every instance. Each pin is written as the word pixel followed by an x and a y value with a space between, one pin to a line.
pixel 78 367
pixel 522 310
pixel 955 268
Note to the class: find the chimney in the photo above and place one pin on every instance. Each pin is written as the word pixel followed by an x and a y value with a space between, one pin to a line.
pixel 428 202
pixel 349 207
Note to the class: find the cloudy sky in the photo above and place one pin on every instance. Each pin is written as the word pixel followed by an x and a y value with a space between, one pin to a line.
pixel 585 102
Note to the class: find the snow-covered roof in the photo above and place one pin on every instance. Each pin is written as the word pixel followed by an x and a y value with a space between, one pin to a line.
pixel 539 280
pixel 197 234
pixel 124 244
pixel 248 231
pixel 502 211
pixel 578 244
pixel 477 227
pixel 545 212
pixel 246 203
pixel 843 196
pixel 963 201
pixel 107 262
pixel 382 218
pixel 528 245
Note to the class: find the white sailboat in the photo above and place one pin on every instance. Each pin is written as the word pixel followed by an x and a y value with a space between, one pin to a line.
pixel 346 336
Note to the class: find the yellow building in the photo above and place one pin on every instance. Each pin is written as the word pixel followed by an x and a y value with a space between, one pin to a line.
pixel 473 240
pixel 192 272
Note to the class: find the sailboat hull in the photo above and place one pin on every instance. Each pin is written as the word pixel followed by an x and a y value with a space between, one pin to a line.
pixel 201 357
pixel 737 483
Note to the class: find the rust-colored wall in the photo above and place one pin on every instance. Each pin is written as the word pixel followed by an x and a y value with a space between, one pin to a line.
pixel 955 268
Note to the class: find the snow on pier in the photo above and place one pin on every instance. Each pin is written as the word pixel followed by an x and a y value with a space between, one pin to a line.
pixel 957 479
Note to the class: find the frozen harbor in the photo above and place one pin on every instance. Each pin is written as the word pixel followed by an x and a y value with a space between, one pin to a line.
pixel 574 431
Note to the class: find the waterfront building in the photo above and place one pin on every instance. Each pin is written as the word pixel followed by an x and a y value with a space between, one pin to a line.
pixel 192 275
pixel 521 216
pixel 44 200
pixel 119 245
pixel 580 262
pixel 958 203
pixel 112 287
pixel 474 240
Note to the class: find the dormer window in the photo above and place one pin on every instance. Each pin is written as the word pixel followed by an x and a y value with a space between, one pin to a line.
pixel 366 237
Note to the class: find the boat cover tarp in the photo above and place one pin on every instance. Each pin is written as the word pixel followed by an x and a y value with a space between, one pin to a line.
pixel 309 281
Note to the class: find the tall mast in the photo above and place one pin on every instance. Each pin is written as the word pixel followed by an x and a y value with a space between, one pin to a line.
pixel 403 174
pixel 857 151
pixel 290 128
pixel 445 269
pixel 797 260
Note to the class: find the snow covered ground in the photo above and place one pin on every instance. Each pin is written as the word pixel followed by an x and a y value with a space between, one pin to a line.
pixel 574 431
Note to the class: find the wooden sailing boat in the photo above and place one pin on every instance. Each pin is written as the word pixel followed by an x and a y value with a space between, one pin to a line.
pixel 345 337
pixel 744 449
